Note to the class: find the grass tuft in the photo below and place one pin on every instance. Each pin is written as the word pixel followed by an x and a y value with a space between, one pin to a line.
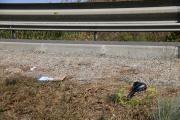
pixel 11 80
pixel 168 108
pixel 114 98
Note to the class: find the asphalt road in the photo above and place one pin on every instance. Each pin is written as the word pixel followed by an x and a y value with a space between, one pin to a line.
pixel 94 42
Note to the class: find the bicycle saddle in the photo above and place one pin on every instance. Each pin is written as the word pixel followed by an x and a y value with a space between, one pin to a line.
pixel 137 86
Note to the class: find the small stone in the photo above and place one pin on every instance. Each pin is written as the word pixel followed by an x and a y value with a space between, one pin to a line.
pixel 140 70
pixel 99 108
pixel 152 82
pixel 166 84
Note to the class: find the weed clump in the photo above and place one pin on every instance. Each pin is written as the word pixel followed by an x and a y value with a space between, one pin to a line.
pixel 113 97
pixel 168 109
pixel 11 80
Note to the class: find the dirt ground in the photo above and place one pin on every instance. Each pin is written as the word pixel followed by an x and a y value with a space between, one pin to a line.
pixel 90 90
pixel 82 67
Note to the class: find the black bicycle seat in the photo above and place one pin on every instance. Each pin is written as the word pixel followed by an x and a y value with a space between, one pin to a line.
pixel 137 86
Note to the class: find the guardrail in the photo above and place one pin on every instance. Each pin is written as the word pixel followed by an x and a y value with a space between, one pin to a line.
pixel 94 27
pixel 148 15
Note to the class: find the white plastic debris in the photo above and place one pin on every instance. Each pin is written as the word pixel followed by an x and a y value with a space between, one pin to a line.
pixel 51 78
pixel 33 68
pixel 45 78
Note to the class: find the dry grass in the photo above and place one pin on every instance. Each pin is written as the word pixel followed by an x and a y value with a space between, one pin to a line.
pixel 89 36
pixel 26 98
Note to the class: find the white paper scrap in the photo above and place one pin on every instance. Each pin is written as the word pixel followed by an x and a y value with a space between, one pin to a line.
pixel 45 78
pixel 32 68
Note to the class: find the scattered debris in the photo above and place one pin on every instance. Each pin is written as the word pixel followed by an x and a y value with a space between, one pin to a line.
pixel 33 68
pixel 51 78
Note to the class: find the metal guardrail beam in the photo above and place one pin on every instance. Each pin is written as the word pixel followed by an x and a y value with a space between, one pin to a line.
pixel 127 16
pixel 110 11
pixel 94 27
pixel 92 5
pixel 93 15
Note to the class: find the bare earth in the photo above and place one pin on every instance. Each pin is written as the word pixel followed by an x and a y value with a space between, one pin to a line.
pixel 83 67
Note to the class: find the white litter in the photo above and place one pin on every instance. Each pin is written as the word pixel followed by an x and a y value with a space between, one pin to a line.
pixel 33 68
pixel 45 78
pixel 51 78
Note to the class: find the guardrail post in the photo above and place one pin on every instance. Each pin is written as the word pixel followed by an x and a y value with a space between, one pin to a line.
pixel 13 34
pixel 95 36
pixel 178 51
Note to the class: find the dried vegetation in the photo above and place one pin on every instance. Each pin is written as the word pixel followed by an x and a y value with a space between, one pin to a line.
pixel 89 36
pixel 23 97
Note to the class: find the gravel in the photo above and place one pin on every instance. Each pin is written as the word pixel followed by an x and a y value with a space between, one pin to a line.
pixel 83 67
